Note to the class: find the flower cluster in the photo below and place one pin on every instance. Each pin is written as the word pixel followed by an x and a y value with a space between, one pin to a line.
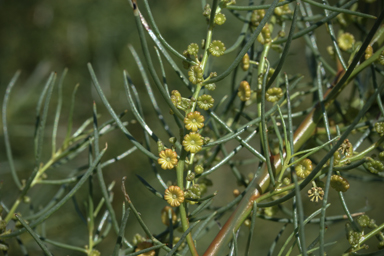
pixel 245 62
pixel 282 10
pixel 195 74
pixel 256 17
pixel 354 237
pixel 220 19
pixel 193 142
pixel 194 121
pixel 379 128
pixel 346 41
pixel 217 48
pixel 346 148
pixel 210 87
pixel 381 58
pixel 265 36
pixel 374 166
pixel 316 193
pixel 304 168
pixel 244 91
pixel 199 169
pixel 174 196
pixel 274 94
pixel 368 52
pixel 205 101
pixel 339 183
pixel 193 192
pixel 193 49
pixel 167 159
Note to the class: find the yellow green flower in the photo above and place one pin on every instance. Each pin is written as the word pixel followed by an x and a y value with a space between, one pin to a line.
pixel 304 168
pixel 193 49
pixel 205 101
pixel 165 216
pixel 379 128
pixel 244 91
pixel 192 142
pixel 316 193
pixel 220 19
pixel 245 62
pixel 176 97
pixel 274 94
pixel 210 87
pixel 168 159
pixel 368 52
pixel 256 17
pixel 339 183
pixel 207 10
pixel 174 196
pixel 199 169
pixel 217 48
pixel 194 121
pixel 346 41
pixel 195 74
pixel 380 60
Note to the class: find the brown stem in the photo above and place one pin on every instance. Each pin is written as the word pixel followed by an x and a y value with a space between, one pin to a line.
pixel 260 184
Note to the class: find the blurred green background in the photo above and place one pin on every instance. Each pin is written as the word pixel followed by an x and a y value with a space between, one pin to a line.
pixel 38 37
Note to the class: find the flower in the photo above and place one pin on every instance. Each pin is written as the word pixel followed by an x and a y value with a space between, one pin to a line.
pixel 174 196
pixel 193 49
pixel 192 142
pixel 256 17
pixel 245 62
pixel 217 48
pixel 160 146
pixel 168 159
pixel 380 60
pixel 194 121
pixel 379 128
pixel 316 193
pixel 353 237
pixel 304 168
pixel 145 245
pixel 194 192
pixel 244 91
pixel 346 148
pixel 374 166
pixel 165 216
pixel 339 183
pixel 363 220
pixel 199 169
pixel 195 74
pixel 368 52
pixel 220 19
pixel 381 155
pixel 207 10
pixel 205 101
pixel 274 94
pixel 346 41
pixel 210 87
pixel 176 97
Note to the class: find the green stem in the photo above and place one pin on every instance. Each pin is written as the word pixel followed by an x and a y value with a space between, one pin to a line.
pixel 183 213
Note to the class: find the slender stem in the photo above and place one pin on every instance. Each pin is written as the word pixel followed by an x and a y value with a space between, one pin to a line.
pixel 183 213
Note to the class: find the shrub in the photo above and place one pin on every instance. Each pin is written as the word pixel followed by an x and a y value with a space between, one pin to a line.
pixel 299 155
